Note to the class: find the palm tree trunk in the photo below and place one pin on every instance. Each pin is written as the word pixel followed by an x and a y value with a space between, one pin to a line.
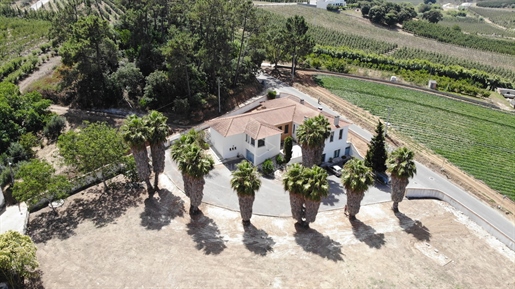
pixel 308 156
pixel 197 193
pixel 354 203
pixel 246 203
pixel 296 203
pixel 141 159
pixel 398 191
pixel 158 160
pixel 311 210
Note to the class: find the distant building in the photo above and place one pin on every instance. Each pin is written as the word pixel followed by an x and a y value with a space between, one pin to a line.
pixel 323 3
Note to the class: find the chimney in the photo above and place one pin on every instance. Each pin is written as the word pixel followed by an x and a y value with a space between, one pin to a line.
pixel 301 101
pixel 337 120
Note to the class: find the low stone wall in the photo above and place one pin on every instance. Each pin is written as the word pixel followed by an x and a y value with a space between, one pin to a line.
pixel 437 194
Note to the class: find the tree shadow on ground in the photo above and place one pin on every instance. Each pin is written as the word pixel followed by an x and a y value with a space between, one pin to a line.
pixel 36 282
pixel 160 211
pixel 413 227
pixel 206 234
pixel 366 234
pixel 312 241
pixel 257 240
pixel 102 209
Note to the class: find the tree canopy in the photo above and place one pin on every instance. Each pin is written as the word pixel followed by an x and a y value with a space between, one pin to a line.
pixel 376 155
pixel 95 146
pixel 17 258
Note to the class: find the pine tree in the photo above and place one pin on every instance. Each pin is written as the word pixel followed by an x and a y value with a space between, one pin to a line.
pixel 376 154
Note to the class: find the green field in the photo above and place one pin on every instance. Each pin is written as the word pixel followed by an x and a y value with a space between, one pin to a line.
pixel 358 26
pixel 478 140
pixel 19 36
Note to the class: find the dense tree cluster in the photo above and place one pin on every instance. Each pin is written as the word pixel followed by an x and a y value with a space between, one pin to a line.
pixel 162 54
pixel 387 13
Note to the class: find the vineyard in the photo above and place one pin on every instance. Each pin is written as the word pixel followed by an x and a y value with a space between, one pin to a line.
pixel 502 17
pixel 358 26
pixel 496 3
pixel 477 26
pixel 444 59
pixel 23 46
pixel 476 139
pixel 25 43
pixel 449 35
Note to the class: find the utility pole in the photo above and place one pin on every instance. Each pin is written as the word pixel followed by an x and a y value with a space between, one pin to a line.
pixel 389 109
pixel 219 107
pixel 12 174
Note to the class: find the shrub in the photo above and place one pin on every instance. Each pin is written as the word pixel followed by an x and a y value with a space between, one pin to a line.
pixel 18 153
pixel 279 159
pixel 54 127
pixel 272 94
pixel 288 146
pixel 267 167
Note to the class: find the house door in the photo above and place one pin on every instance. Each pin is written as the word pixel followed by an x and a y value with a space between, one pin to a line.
pixel 250 156
pixel 347 151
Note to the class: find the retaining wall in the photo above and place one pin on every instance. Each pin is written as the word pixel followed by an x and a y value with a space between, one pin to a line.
pixel 437 194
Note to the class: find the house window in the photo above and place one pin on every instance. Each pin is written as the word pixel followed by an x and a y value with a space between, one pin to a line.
pixel 252 142
pixel 286 129
pixel 261 143
pixel 293 129
pixel 247 138
pixel 331 138
pixel 336 153
pixel 341 134
pixel 323 157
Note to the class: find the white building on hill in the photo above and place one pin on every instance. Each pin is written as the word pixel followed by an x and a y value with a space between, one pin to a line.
pixel 323 3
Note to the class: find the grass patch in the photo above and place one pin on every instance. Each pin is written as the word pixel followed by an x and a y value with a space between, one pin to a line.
pixel 476 139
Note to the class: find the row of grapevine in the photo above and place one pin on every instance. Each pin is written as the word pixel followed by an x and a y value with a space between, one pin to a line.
pixel 476 139
pixel 325 36
pixel 476 77
pixel 449 35
pixel 444 59
pixel 497 3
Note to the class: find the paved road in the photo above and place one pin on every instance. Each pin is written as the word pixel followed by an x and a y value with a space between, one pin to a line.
pixel 425 178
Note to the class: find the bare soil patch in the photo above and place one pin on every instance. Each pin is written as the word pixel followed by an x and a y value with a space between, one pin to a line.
pixel 122 239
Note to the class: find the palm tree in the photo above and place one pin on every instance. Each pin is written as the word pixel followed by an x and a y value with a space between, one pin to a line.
pixel 157 130
pixel 316 187
pixel 402 167
pixel 134 133
pixel 194 164
pixel 245 181
pixel 356 179
pixel 311 136
pixel 293 183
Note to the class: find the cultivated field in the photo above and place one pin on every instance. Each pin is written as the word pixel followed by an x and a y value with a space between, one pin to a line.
pixel 502 17
pixel 23 46
pixel 473 25
pixel 476 139
pixel 358 26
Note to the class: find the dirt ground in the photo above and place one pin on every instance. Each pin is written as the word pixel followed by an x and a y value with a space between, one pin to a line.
pixel 122 239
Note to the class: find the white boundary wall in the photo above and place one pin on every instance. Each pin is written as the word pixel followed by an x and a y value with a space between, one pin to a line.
pixel 437 194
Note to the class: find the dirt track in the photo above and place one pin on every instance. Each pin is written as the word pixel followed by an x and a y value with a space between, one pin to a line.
pixel 423 154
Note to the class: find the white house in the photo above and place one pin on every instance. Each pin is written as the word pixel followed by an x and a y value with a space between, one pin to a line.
pixel 323 3
pixel 257 135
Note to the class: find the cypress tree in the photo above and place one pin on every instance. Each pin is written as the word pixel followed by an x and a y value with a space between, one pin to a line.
pixel 376 154
pixel 288 146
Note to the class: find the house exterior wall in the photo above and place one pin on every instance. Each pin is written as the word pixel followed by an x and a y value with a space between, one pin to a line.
pixel 336 144
pixel 272 148
pixel 227 147
pixel 282 127
pixel 323 4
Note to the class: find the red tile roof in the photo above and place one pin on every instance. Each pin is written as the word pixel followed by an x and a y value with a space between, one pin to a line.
pixel 263 121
